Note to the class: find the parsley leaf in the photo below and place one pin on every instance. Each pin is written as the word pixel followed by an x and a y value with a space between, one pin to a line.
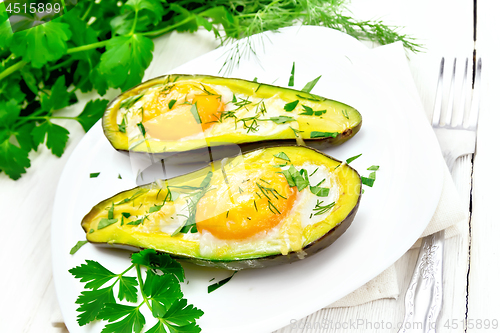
pixel 92 302
pixel 42 43
pixel 373 167
pixel 57 137
pixel 125 60
pixel 58 98
pixel 94 272
pixel 163 291
pixel 92 112
pixel 128 288
pixel 13 160
pixel 160 261
pixel 133 320
pixel 160 291
pixel 94 174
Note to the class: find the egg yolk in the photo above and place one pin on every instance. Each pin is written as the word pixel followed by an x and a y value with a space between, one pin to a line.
pixel 192 100
pixel 245 208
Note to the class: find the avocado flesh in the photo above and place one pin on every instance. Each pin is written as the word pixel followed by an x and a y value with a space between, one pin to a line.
pixel 220 127
pixel 154 231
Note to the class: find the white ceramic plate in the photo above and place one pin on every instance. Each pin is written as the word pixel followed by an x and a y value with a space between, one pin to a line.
pixel 391 216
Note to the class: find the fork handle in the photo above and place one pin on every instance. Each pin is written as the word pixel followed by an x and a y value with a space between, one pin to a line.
pixel 423 299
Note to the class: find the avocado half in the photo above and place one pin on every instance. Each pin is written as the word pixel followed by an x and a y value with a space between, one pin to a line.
pixel 179 113
pixel 265 207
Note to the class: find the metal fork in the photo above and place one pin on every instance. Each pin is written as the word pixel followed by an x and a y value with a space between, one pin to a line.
pixel 424 296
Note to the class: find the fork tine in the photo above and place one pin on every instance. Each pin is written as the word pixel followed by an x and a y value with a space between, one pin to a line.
pixel 436 115
pixel 451 96
pixel 463 96
pixel 474 110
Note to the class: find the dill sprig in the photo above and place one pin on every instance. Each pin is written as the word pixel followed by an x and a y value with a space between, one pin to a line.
pixel 254 17
pixel 318 209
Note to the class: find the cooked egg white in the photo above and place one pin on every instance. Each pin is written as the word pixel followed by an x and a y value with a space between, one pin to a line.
pixel 233 222
pixel 220 112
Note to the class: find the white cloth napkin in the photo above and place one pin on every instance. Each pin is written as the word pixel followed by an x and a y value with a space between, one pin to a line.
pixel 391 61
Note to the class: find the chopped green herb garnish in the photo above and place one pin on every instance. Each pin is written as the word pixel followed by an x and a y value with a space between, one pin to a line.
pixel 240 189
pixel 308 110
pixel 138 221
pixel 291 80
pixel 189 224
pixel 303 173
pixel 77 247
pixel 295 131
pixel 312 97
pixel 362 191
pixel 254 79
pixel 234 99
pixel 95 175
pixel 128 102
pixel 119 176
pixel 103 223
pixel 318 209
pixel 272 207
pixel 283 156
pixel 123 126
pixel 349 160
pixel 310 85
pixel 219 284
pixel 316 134
pixel 194 112
pixel 344 112
pixel 91 231
pixel 111 211
pixel 291 106
pixel 126 215
pixel 367 181
pixel 281 119
pixel 314 172
pixel 171 103
pixel 320 191
pixel 255 205
pixel 155 208
pixel 135 195
pixel 142 129
pixel 373 167
pixel 372 175
pixel 319 113
pixel 298 180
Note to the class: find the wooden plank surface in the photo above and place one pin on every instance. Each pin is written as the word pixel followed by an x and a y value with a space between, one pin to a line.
pixel 29 299
pixel 484 287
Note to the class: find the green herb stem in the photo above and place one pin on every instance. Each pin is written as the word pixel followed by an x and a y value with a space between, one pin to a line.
pixel 141 287
pixel 12 69
pixel 168 28
pixel 87 47
pixel 61 64
pixel 87 12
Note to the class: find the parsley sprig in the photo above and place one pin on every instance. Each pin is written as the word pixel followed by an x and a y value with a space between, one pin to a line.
pixel 100 45
pixel 160 291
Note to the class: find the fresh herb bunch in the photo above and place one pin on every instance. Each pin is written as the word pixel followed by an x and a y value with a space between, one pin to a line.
pixel 160 292
pixel 108 44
